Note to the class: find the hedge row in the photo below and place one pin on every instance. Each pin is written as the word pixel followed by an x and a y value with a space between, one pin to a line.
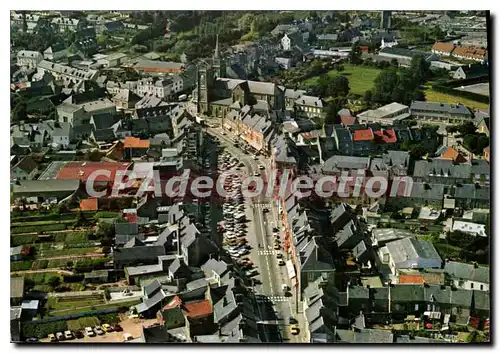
pixel 106 214
pixel 41 223
pixel 41 228
pixel 52 216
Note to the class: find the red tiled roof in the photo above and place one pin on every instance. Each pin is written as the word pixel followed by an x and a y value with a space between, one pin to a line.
pixel 134 142
pixel 363 135
pixel 173 304
pixel 443 47
pixel 347 120
pixel 411 279
pixel 82 170
pixel 198 309
pixel 89 205
pixel 387 135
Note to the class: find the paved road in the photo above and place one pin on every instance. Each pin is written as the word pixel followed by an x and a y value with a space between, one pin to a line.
pixel 270 274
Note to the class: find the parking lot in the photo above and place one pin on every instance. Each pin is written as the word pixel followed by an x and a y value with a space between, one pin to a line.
pixel 133 327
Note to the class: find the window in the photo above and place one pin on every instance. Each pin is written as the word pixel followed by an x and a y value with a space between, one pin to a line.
pixel 482 287
pixel 472 286
pixel 416 307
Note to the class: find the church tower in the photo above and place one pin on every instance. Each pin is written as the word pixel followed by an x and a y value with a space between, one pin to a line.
pixel 204 86
pixel 218 62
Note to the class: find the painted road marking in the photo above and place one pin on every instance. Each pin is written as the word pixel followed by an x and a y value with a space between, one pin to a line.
pixel 267 252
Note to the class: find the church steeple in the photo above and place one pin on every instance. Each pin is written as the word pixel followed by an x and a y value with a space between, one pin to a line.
pixel 217 54
pixel 218 61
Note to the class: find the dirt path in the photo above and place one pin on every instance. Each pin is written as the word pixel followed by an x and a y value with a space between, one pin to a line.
pixel 45 270
pixel 75 257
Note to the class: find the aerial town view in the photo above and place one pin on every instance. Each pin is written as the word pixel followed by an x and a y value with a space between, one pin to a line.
pixel 250 177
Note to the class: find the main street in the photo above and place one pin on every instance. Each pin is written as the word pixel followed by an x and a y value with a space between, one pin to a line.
pixel 263 254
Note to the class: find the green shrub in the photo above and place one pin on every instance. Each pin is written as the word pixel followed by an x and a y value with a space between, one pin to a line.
pixel 20 265
pixel 40 228
pixel 42 330
pixel 23 239
pixel 40 264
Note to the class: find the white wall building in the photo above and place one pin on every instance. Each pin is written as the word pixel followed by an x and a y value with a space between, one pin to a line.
pixel 162 88
pixel 29 59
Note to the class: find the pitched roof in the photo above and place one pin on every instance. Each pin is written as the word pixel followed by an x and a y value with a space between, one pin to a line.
pixel 467 271
pixel 411 279
pixel 197 309
pixel 27 164
pixel 89 204
pixel 133 142
pixel 411 249
pixel 443 47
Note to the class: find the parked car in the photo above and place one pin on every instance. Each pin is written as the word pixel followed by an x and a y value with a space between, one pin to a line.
pixel 60 336
pixel 294 329
pixel 117 328
pixel 107 328
pixel 281 263
pixel 68 335
pixel 99 330
pixel 89 332
pixel 32 340
pixel 52 337
pixel 78 334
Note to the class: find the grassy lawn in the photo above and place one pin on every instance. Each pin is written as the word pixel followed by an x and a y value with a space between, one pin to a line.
pixel 433 96
pixel 360 77
pixel 446 250
pixel 97 307
pixel 71 251
pixel 55 304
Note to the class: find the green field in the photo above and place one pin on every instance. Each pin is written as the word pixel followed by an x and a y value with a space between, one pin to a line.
pixel 360 77
pixel 433 96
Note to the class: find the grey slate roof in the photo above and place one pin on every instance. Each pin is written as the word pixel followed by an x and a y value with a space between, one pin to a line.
pixel 138 253
pixel 427 191
pixel 50 185
pixel 437 166
pixel 467 271
pixel 481 300
pixel 444 108
pixel 126 228
pixel 411 249
pixel 338 163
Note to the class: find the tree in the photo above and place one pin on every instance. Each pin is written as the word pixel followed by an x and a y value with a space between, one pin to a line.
pixel 332 110
pixel 394 62
pixel 368 97
pixel 79 219
pixel 54 281
pixel 421 69
pixel 355 54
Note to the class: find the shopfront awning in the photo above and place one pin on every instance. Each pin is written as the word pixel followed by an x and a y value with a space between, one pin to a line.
pixel 290 269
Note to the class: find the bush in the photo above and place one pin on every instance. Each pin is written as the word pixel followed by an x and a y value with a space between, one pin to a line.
pixel 20 265
pixel 23 239
pixel 73 278
pixel 40 264
pixel 42 330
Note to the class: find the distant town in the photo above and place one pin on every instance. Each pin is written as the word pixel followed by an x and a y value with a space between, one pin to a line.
pixel 250 177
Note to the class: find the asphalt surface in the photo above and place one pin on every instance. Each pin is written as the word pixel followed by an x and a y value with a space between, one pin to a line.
pixel 274 307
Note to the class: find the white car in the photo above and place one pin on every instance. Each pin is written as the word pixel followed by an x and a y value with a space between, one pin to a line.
pixel 89 332
pixel 261 167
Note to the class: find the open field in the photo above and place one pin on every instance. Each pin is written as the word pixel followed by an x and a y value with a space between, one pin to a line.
pixel 360 77
pixel 433 96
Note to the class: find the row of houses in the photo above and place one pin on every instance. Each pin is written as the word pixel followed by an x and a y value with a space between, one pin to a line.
pixel 460 51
